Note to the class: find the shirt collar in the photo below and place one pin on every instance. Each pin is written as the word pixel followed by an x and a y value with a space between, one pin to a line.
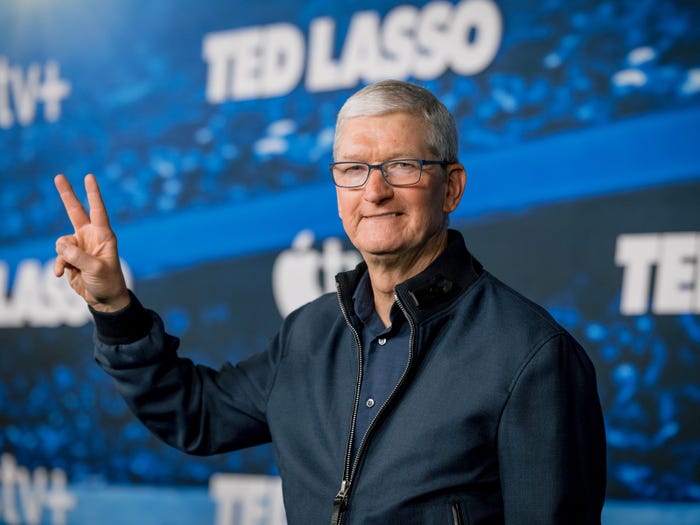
pixel 363 304
pixel 363 299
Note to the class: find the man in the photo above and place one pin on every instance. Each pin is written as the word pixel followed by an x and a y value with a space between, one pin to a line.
pixel 426 392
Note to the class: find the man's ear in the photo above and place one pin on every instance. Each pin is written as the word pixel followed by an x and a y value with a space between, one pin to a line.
pixel 455 184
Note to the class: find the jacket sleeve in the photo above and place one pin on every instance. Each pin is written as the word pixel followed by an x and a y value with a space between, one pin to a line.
pixel 194 408
pixel 551 439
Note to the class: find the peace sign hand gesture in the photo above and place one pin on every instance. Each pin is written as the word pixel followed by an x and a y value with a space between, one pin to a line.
pixel 89 256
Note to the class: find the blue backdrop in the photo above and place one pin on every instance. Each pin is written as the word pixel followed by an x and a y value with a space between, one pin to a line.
pixel 209 125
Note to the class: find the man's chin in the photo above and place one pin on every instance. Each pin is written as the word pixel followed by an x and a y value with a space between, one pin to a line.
pixel 380 249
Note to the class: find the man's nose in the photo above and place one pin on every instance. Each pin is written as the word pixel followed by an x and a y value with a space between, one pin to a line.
pixel 377 186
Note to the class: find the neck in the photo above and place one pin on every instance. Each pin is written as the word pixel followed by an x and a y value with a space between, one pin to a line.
pixel 386 271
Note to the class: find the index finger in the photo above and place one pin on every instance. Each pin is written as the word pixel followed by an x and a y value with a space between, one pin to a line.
pixel 76 213
pixel 98 211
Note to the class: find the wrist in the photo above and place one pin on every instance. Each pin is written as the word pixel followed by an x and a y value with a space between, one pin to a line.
pixel 114 304
pixel 124 326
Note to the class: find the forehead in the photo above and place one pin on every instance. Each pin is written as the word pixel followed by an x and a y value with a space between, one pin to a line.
pixel 387 135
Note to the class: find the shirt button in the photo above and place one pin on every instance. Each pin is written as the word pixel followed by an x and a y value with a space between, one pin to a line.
pixel 381 341
pixel 369 403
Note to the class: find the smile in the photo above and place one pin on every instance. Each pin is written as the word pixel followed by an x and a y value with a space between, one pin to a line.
pixel 382 216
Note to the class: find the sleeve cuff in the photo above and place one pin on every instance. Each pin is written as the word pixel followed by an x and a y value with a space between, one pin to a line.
pixel 131 323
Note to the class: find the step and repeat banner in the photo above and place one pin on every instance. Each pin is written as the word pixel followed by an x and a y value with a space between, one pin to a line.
pixel 209 126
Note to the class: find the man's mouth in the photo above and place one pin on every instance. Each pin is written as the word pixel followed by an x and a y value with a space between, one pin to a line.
pixel 382 216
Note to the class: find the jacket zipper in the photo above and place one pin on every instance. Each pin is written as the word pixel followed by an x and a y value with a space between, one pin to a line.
pixel 340 501
pixel 456 514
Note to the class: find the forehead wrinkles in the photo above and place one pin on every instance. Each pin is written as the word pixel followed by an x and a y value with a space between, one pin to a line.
pixel 391 136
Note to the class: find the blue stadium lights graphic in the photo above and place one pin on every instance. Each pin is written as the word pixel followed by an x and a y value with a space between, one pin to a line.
pixel 569 80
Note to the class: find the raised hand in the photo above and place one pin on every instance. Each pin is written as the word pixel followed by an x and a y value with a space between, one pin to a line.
pixel 89 256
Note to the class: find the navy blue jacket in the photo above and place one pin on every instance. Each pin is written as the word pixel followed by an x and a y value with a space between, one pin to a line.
pixel 496 418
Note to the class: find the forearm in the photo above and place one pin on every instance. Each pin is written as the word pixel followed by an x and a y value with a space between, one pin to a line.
pixel 185 405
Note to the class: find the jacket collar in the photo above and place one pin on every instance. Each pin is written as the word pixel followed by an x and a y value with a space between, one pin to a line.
pixel 447 277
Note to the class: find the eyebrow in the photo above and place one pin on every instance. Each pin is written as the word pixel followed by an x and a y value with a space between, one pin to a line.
pixel 393 156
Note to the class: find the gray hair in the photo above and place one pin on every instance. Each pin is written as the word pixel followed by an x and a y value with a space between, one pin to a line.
pixel 389 96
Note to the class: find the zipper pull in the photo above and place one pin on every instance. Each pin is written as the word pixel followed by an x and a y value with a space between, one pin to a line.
pixel 340 502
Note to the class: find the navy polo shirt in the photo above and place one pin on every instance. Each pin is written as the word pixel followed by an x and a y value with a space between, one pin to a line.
pixel 384 352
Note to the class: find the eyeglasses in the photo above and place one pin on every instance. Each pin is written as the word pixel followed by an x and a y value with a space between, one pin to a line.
pixel 397 172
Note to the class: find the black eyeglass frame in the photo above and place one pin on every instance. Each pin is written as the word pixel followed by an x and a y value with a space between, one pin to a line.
pixel 380 167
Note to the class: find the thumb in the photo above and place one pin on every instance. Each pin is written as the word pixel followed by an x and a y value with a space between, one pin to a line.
pixel 72 254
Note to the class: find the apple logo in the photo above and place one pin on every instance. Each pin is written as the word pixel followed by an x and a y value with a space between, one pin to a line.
pixel 301 273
